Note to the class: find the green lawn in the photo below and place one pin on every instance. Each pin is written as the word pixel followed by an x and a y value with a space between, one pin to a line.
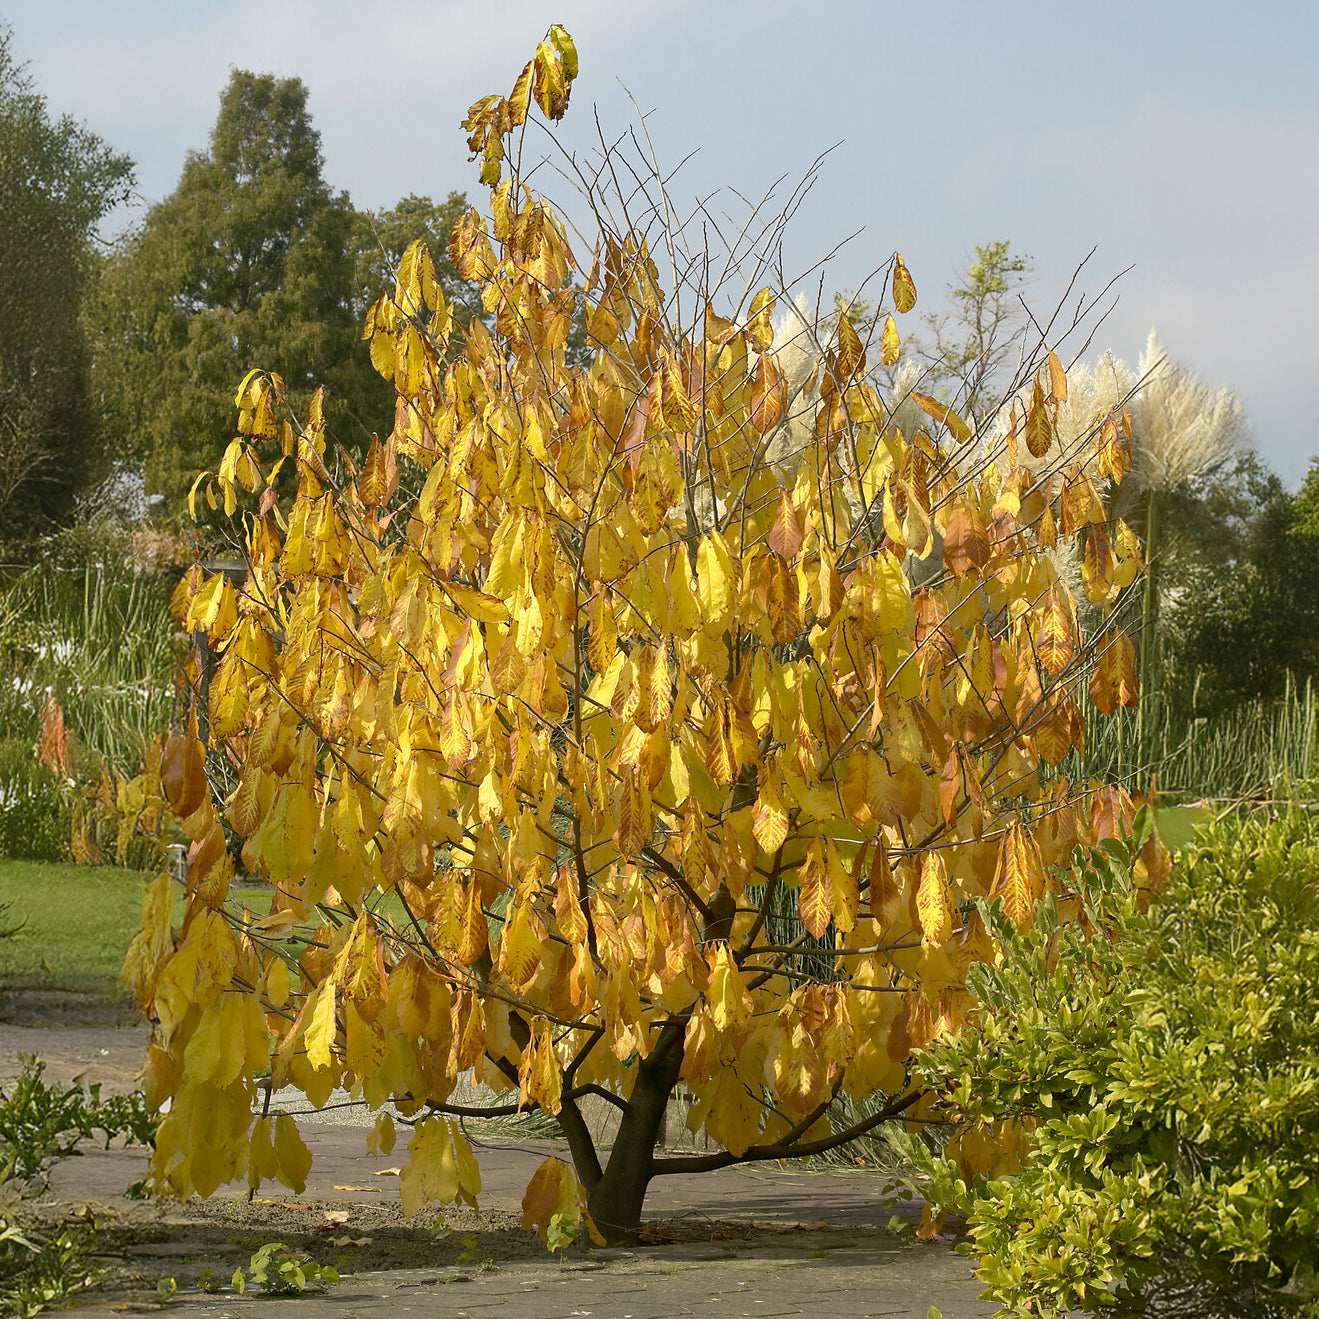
pixel 77 923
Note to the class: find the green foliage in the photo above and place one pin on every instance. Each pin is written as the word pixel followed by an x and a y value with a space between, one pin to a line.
pixel 42 1123
pixel 38 1272
pixel 250 260
pixel 1260 749
pixel 35 809
pixel 1240 583
pixel 57 181
pixel 1166 1068
pixel 283 1272
pixel 97 640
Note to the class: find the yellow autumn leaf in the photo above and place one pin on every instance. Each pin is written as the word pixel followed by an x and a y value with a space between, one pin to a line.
pixel 321 1028
pixel 890 346
pixel 292 1157
pixel 432 1171
pixel 730 1002
pixel 933 899
pixel 904 288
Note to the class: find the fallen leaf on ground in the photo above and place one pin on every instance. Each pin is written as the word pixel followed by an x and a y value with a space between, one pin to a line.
pixel 374 1190
pixel 387 1172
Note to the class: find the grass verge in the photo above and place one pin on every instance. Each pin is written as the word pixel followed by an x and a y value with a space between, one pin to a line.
pixel 76 923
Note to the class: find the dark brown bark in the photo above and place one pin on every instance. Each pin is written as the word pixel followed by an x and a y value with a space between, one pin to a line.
pixel 616 1199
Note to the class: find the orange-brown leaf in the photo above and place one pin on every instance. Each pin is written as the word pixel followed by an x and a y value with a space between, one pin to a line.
pixel 1055 644
pixel 785 536
pixel 1097 564
pixel 766 394
pixel 183 774
pixel 1114 681
pixel 1019 878
pixel 943 413
pixel 950 785
pixel 813 904
pixel 966 542
pixel 885 895
pixel 1057 378
pixel 1039 423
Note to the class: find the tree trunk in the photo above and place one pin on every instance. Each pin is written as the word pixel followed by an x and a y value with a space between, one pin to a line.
pixel 616 1199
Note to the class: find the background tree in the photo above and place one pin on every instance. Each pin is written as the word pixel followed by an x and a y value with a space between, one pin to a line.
pixel 57 181
pixel 619 679
pixel 973 350
pixel 977 349
pixel 251 259
pixel 1242 600
pixel 381 237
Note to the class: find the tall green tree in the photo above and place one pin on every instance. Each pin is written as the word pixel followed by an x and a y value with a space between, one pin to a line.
pixel 970 350
pixel 1246 616
pixel 977 339
pixel 58 180
pixel 381 237
pixel 250 260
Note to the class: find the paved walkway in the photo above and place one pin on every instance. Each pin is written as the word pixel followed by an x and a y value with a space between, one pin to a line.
pixel 838 1278
pixel 844 1266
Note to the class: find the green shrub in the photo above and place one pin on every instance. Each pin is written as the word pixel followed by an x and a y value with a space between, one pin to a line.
pixel 35 814
pixel 41 1123
pixel 280 1271
pixel 1165 1069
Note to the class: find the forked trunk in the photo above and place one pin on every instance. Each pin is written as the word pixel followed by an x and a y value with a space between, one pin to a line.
pixel 616 1199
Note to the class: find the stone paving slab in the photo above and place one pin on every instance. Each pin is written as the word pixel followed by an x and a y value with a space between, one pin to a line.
pixel 850 1280
pixel 849 1270
pixel 110 1055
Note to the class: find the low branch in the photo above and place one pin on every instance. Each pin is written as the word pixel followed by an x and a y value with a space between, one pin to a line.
pixel 789 1150
pixel 471 1110
pixel 590 1088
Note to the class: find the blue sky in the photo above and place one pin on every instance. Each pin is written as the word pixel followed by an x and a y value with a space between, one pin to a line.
pixel 1181 139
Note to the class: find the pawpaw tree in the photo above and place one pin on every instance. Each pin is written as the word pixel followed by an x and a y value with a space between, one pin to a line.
pixel 619 726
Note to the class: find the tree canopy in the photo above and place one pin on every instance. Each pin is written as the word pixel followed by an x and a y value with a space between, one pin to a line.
pixel 58 180
pixel 680 700
pixel 249 260
pixel 252 259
